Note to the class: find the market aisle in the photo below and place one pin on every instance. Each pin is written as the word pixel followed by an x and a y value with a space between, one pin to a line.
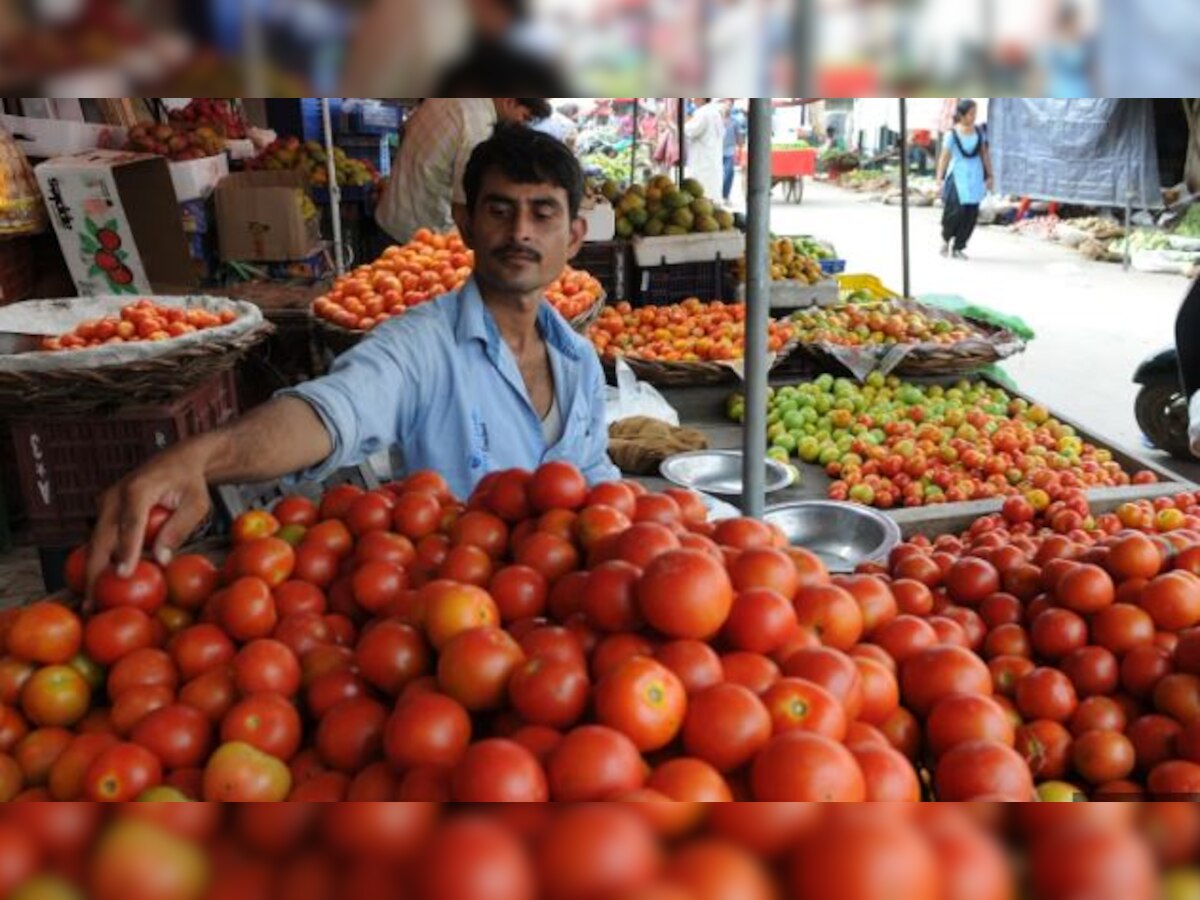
pixel 1094 321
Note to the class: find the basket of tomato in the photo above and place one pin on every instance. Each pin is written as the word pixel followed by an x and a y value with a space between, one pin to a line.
pixel 86 353
pixel 686 343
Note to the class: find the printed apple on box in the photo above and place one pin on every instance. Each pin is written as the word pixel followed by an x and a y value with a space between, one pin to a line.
pixel 118 223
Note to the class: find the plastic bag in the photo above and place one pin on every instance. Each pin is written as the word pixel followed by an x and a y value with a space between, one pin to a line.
pixel 636 398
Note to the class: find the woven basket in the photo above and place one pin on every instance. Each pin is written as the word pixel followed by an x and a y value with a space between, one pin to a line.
pixel 91 380
pixel 689 374
pixel 582 322
pixel 21 209
pixel 926 359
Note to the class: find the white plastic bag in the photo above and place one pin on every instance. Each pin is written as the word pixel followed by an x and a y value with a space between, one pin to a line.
pixel 636 398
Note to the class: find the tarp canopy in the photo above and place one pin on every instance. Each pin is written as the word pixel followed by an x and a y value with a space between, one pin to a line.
pixel 1093 152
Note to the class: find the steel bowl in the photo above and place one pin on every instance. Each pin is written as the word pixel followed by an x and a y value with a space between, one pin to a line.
pixel 718 472
pixel 841 534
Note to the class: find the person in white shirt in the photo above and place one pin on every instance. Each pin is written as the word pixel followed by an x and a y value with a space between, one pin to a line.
pixel 705 134
pixel 427 173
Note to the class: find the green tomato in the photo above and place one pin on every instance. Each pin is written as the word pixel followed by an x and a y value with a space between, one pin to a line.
pixel 808 449
pixel 786 441
pixel 1060 792
pixel 779 454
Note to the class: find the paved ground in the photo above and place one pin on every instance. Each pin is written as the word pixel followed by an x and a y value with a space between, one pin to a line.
pixel 1094 321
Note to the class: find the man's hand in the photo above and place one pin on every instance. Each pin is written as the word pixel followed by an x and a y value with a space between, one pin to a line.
pixel 173 480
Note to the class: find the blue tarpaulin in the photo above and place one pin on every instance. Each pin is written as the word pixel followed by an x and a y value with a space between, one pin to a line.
pixel 1092 152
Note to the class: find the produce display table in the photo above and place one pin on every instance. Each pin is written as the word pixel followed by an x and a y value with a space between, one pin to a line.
pixel 703 408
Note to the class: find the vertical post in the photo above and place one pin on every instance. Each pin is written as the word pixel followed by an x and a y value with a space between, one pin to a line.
pixel 681 123
pixel 253 50
pixel 335 191
pixel 637 109
pixel 1126 261
pixel 758 235
pixel 907 263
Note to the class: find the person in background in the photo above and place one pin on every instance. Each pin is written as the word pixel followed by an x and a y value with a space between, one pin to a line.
pixel 705 135
pixel 735 137
pixel 964 175
pixel 484 378
pixel 1069 56
pixel 562 124
pixel 427 175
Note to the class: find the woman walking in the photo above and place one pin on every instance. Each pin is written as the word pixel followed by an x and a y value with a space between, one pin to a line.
pixel 965 159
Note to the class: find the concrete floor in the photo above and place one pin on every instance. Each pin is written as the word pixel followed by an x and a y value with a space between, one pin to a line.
pixel 1094 321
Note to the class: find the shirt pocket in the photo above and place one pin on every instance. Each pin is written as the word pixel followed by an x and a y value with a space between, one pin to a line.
pixel 478 443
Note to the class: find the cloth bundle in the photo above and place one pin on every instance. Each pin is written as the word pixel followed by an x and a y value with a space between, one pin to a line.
pixel 638 445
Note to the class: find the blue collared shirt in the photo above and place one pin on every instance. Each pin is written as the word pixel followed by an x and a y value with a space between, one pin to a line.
pixel 441 383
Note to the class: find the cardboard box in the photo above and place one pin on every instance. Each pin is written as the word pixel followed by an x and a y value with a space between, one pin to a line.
pixel 117 222
pixel 260 218
pixel 45 138
pixel 196 179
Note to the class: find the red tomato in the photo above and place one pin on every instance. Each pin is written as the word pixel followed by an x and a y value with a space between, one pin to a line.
pixel 266 721
pixel 416 514
pixel 726 725
pixel 938 672
pixel 451 608
pixel 475 666
pixel 144 589
pixel 179 736
pixel 55 696
pixel 1046 693
pixel 267 665
pixel 468 857
pixel 46 633
pixel 594 762
pixel 803 765
pixel 427 729
pixel 982 769
pixel 247 610
pixel 833 670
pixel 351 734
pixel 237 772
pixel 695 663
pixel 498 770
pixel 390 655
pixel 644 700
pixel 549 692
pixel 686 594
pixel 962 718
pixel 557 485
pixel 148 667
pixel 120 773
pixel 609 597
pixel 519 592
pixel 760 621
pixel 296 510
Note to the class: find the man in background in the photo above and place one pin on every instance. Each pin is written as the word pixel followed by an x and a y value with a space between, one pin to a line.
pixel 427 174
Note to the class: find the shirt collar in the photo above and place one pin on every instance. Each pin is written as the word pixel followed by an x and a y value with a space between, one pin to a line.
pixel 476 323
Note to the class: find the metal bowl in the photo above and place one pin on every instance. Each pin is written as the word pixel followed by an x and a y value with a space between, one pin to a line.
pixel 841 534
pixel 718 472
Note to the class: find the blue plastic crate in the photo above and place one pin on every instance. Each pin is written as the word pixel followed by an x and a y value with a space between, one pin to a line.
pixel 833 266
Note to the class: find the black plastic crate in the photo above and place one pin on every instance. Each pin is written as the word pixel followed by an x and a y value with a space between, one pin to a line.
pixel 672 283
pixel 610 263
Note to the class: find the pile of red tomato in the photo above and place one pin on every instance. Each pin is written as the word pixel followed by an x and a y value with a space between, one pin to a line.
pixel 551 641
pixel 633 851
pixel 144 320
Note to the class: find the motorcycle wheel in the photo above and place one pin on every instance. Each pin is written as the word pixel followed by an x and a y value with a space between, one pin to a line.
pixel 1161 410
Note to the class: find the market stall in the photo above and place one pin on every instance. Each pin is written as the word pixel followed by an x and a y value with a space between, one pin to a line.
pixel 374 637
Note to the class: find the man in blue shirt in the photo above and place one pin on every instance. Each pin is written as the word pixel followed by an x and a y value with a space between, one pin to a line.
pixel 489 377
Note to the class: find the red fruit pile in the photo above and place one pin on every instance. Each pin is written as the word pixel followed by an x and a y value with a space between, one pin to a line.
pixel 548 640
pixel 640 848
pixel 144 320
pixel 219 115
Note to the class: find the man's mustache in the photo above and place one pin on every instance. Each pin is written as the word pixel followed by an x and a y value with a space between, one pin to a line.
pixel 516 250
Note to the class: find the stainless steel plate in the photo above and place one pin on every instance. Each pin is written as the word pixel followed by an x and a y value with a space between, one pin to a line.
pixel 841 534
pixel 718 472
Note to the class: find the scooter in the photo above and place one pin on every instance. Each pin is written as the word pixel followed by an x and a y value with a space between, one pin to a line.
pixel 1161 407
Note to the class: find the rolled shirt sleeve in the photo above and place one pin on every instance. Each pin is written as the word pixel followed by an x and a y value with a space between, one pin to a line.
pixel 370 398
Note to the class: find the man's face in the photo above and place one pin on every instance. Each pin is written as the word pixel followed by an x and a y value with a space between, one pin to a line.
pixel 522 234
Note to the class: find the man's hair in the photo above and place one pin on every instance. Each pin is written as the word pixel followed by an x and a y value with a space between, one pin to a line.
pixel 527 157
pixel 539 106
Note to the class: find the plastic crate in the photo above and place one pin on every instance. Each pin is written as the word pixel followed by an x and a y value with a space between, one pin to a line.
pixel 66 463
pixel 235 499
pixel 661 285
pixel 610 263
pixel 17 274
pixel 833 266
pixel 375 150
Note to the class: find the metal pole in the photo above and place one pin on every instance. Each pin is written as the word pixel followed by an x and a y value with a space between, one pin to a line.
pixel 758 237
pixel 681 123
pixel 637 108
pixel 904 197
pixel 335 191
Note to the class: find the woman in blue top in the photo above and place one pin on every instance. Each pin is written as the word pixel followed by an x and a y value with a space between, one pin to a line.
pixel 965 153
